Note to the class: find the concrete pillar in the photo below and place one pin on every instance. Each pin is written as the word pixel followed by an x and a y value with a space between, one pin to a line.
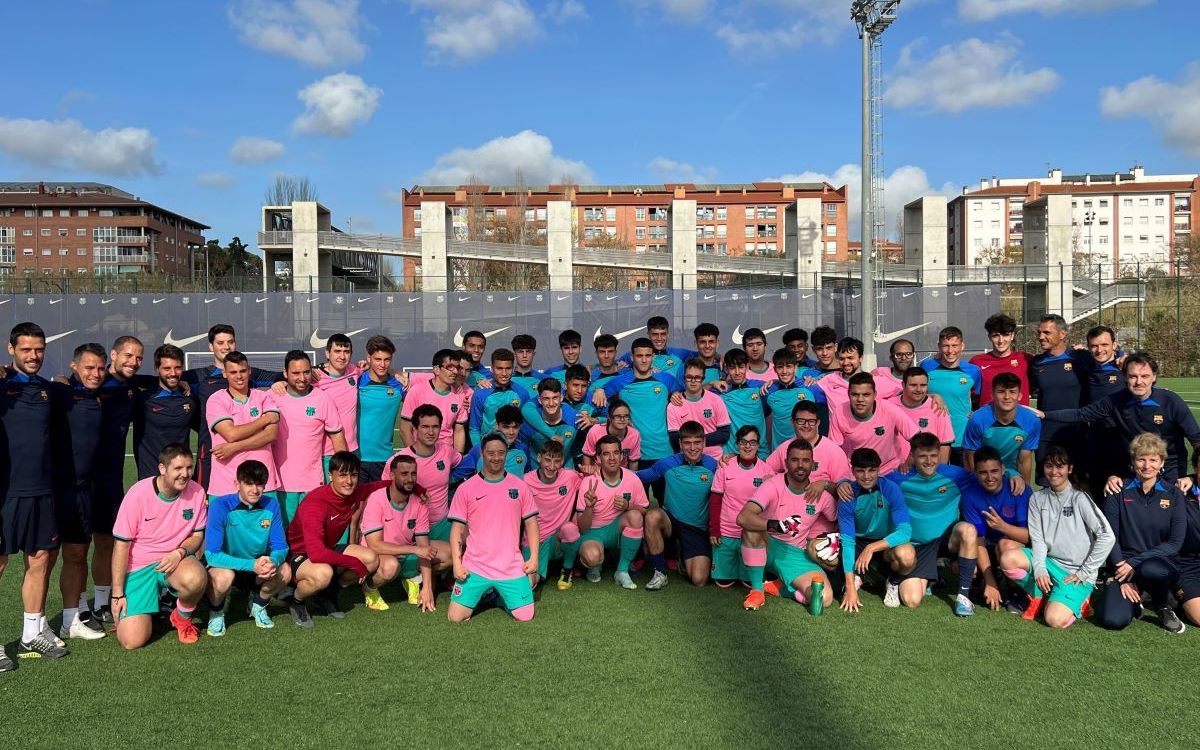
pixel 683 244
pixel 1060 280
pixel 306 261
pixel 925 239
pixel 809 243
pixel 435 268
pixel 559 245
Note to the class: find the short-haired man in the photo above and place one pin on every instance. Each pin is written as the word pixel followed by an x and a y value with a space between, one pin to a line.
pixel 435 462
pixel 836 385
pixel 795 340
pixel 609 512
pixel 338 377
pixel 1003 424
pixel 474 344
pixel 932 492
pixel 553 489
pixel 647 392
pixel 509 423
pixel 824 350
pixel 245 545
pixel 205 381
pixel 687 477
pixel 606 367
pixel 27 522
pixel 1058 379
pixel 698 404
pixel 708 339
pixel 503 391
pixel 306 417
pixel 570 345
pixel 549 419
pixel 164 414
pixel 1106 379
pixel 743 400
pixel 667 359
pixel 872 519
pixel 159 531
pixel 618 426
pixel 956 382
pixel 395 526
pixel 75 434
pixel 754 344
pixel 319 561
pixel 998 515
pixel 735 483
pixel 920 408
pixel 491 509
pixel 1002 359
pixel 867 422
pixel 902 353
pixel 440 392
pixel 1140 407
pixel 830 464
pixel 524 348
pixel 380 396
pixel 783 395
pixel 245 423
pixel 779 522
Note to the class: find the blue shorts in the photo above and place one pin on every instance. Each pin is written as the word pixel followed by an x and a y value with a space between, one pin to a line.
pixel 73 513
pixel 27 524
pixel 691 541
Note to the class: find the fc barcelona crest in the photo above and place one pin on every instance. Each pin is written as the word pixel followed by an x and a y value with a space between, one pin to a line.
pixel 1158 419
pixel 513 493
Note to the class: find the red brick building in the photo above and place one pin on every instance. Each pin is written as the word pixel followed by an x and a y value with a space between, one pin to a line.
pixel 90 228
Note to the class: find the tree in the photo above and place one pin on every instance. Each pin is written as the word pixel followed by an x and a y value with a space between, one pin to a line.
pixel 996 255
pixel 288 189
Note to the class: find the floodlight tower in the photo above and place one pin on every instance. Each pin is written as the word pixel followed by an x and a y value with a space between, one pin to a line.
pixel 872 17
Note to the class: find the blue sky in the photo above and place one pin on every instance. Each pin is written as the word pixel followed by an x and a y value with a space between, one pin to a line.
pixel 197 106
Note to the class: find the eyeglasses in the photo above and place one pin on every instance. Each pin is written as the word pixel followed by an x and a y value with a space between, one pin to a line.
pixel 748 443
pixel 903 355
pixel 806 422
pixel 615 417
pixel 693 377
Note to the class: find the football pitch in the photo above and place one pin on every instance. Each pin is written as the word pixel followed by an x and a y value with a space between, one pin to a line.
pixel 604 667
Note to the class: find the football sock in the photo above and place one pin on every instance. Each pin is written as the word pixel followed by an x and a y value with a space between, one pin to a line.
pixel 102 594
pixel 83 603
pixel 658 562
pixel 42 622
pixel 217 606
pixel 755 560
pixel 261 601
pixel 570 552
pixel 894 579
pixel 30 626
pixel 966 573
pixel 186 614
pixel 524 613
pixel 70 614
pixel 631 540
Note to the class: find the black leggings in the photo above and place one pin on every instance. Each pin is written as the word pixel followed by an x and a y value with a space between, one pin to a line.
pixel 1154 576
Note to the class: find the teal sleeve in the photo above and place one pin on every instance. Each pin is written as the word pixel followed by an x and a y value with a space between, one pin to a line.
pixel 846 527
pixel 221 559
pixel 214 541
pixel 902 535
pixel 277 541
pixel 534 421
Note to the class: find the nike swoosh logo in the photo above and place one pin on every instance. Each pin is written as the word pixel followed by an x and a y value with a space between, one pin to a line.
pixel 957 294
pixel 883 338
pixel 319 343
pixel 560 299
pixel 103 301
pixel 208 301
pixel 156 301
pixel 759 296
pixel 855 296
pixel 514 299
pixel 55 301
pixel 736 337
pixel 806 296
pixel 464 299
pixel 313 299
pixel 906 295
pixel 362 299
pixel 414 299
pixel 458 336
pixel 707 297
pixel 658 297
pixel 58 336
pixel 610 297
pixel 619 336
pixel 170 338
pixel 5 301
pixel 260 300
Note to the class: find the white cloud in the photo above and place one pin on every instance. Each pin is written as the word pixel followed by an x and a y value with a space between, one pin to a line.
pixel 669 170
pixel 468 30
pixel 320 33
pixel 335 104
pixel 683 11
pixel 565 11
pixel 496 162
pixel 214 180
pixel 986 10
pixel 902 186
pixel 793 24
pixel 973 74
pixel 66 144
pixel 1172 108
pixel 250 149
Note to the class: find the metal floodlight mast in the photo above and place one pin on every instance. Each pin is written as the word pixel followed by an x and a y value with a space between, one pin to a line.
pixel 872 17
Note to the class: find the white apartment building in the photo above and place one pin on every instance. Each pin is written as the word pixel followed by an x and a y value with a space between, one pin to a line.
pixel 1122 218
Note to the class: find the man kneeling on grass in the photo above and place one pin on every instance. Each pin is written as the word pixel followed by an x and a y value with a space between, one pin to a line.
pixel 245 546
pixel 395 526
pixel 158 531
pixel 492 507
pixel 318 559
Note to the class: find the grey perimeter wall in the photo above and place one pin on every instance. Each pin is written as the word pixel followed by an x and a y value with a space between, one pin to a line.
pixel 420 323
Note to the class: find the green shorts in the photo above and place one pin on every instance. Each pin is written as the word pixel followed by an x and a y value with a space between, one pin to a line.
pixel 548 550
pixel 609 535
pixel 288 502
pixel 325 467
pixel 514 593
pixel 440 531
pixel 410 566
pixel 1070 595
pixel 142 589
pixel 727 560
pixel 789 562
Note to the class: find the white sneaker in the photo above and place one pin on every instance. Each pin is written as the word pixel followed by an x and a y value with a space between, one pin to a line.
pixel 891 595
pixel 623 580
pixel 593 575
pixel 79 630
pixel 657 581
pixel 49 635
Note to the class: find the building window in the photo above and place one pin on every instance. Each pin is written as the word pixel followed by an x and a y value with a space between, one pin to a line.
pixel 26 232
pixel 1143 201
pixel 1104 203
pixel 29 213
pixel 1104 240
pixel 47 213
pixel 541 214
pixel 1160 201
pixel 610 213
pixel 1127 221
pixel 81 232
pixel 1143 220
pixel 64 212
pixel 639 248
pixel 977 224
pixel 64 251
pixel 65 232
pixel 1127 202
pixel 705 213
pixel 1159 239
pixel 27 251
pixel 1087 204
pixel 639 233
pixel 722 230
pixel 81 212
pixel 658 214
pixel 610 231
pixel 416 214
pixel 831 248
pixel 749 230
pixel 1160 220
pixel 81 252
pixel 46 251
pixel 721 213
pixel 1143 238
pixel 639 214
pixel 749 212
pixel 831 209
pixel 1127 239
pixel 831 230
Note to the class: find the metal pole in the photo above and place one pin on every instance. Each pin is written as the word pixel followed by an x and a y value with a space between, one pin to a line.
pixel 867 220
